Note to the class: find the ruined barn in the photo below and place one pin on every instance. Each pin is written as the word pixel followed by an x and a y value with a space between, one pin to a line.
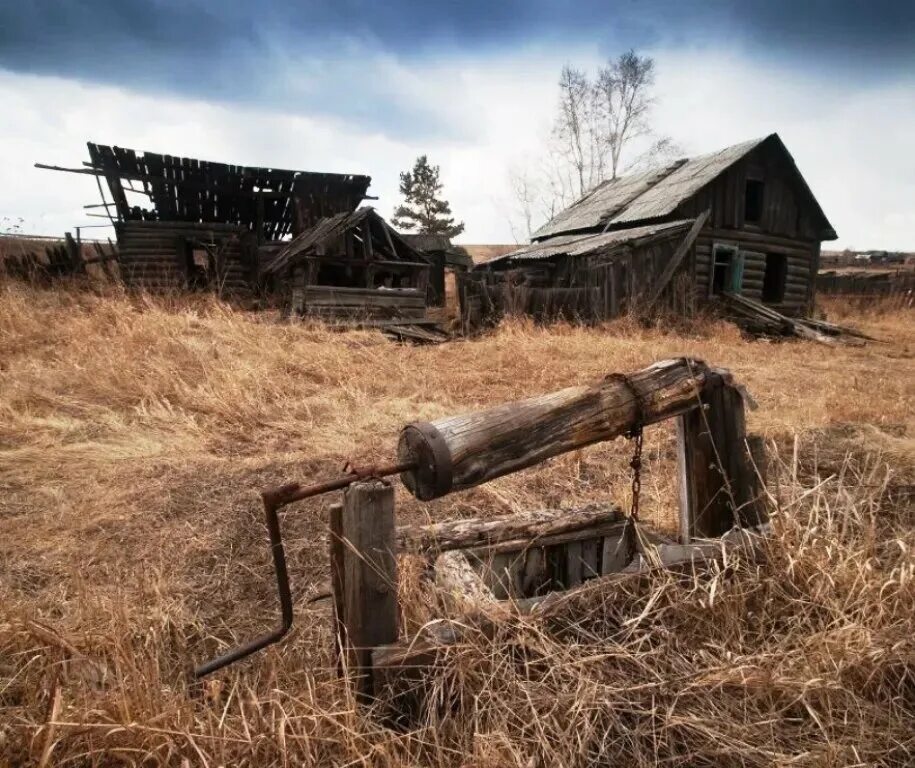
pixel 187 223
pixel 739 221
pixel 351 266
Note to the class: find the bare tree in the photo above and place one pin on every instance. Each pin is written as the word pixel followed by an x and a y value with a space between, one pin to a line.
pixel 623 99
pixel 573 129
pixel 602 128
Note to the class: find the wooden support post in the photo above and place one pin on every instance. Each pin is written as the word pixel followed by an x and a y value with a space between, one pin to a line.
pixel 718 487
pixel 337 550
pixel 369 577
pixel 757 512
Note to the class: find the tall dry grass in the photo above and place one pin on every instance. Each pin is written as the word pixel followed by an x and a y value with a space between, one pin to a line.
pixel 135 432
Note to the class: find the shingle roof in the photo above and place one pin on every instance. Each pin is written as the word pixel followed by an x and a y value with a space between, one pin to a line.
pixel 645 196
pixel 584 244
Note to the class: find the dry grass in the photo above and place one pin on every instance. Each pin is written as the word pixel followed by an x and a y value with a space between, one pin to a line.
pixel 134 434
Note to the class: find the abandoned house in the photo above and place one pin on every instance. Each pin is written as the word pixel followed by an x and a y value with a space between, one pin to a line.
pixel 738 221
pixel 352 265
pixel 186 223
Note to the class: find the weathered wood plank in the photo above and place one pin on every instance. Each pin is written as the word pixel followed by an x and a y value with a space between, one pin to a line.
pixel 369 576
pixel 531 527
pixel 336 547
pixel 675 260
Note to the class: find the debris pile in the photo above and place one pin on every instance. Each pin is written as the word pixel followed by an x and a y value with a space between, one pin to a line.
pixel 761 320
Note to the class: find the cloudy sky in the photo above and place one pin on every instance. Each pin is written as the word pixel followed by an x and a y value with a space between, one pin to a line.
pixel 364 87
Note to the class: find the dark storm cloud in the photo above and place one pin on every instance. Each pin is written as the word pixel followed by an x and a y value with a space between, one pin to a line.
pixel 263 53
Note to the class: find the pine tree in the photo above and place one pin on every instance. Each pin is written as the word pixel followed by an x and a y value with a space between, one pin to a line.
pixel 422 210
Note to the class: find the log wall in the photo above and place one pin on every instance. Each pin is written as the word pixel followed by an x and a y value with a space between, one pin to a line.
pixel 153 254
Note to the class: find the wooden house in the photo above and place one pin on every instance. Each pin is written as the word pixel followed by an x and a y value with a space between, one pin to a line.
pixel 187 223
pixel 741 220
pixel 351 266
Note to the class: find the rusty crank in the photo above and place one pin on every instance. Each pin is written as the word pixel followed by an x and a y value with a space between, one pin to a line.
pixel 274 500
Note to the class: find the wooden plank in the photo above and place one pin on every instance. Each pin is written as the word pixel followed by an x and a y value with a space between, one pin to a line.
pixel 590 557
pixel 675 260
pixel 534 575
pixel 336 546
pixel 531 527
pixel 369 576
pixel 617 551
pixel 487 444
pixel 573 564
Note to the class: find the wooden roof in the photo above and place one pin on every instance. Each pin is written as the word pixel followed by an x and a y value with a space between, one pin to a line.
pixel 587 244
pixel 328 230
pixel 187 189
pixel 652 195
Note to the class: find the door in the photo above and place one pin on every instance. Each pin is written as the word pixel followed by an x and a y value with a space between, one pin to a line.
pixel 727 270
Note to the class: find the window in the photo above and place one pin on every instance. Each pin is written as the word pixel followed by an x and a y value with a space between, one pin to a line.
pixel 727 270
pixel 773 291
pixel 753 201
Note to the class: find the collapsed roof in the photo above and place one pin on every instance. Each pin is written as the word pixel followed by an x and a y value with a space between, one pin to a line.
pixel 328 231
pixel 278 202
pixel 585 244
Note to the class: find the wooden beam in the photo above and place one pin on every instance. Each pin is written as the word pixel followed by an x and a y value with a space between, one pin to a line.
pixel 467 450
pixel 527 526
pixel 369 577
pixel 675 260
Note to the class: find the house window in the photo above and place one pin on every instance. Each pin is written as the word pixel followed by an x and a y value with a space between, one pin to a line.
pixel 727 270
pixel 774 277
pixel 753 201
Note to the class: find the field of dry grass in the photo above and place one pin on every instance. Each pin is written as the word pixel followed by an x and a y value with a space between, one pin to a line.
pixel 135 434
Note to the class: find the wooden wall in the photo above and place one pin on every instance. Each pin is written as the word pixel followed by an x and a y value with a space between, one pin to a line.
pixel 590 288
pixel 789 224
pixel 787 211
pixel 153 254
pixel 801 258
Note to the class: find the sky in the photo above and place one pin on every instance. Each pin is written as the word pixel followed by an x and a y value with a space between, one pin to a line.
pixel 364 87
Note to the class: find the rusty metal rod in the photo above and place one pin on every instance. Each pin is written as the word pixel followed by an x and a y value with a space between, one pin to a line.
pixel 274 500
pixel 286 494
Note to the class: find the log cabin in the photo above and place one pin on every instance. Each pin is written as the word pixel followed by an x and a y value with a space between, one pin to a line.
pixel 741 220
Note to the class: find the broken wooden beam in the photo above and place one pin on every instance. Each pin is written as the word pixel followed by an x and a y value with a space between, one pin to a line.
pixel 670 269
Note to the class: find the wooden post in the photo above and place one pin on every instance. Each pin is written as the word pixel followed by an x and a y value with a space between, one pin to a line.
pixel 718 486
pixel 369 577
pixel 757 512
pixel 337 549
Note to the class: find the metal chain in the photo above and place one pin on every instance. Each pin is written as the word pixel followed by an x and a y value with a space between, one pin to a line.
pixel 636 465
